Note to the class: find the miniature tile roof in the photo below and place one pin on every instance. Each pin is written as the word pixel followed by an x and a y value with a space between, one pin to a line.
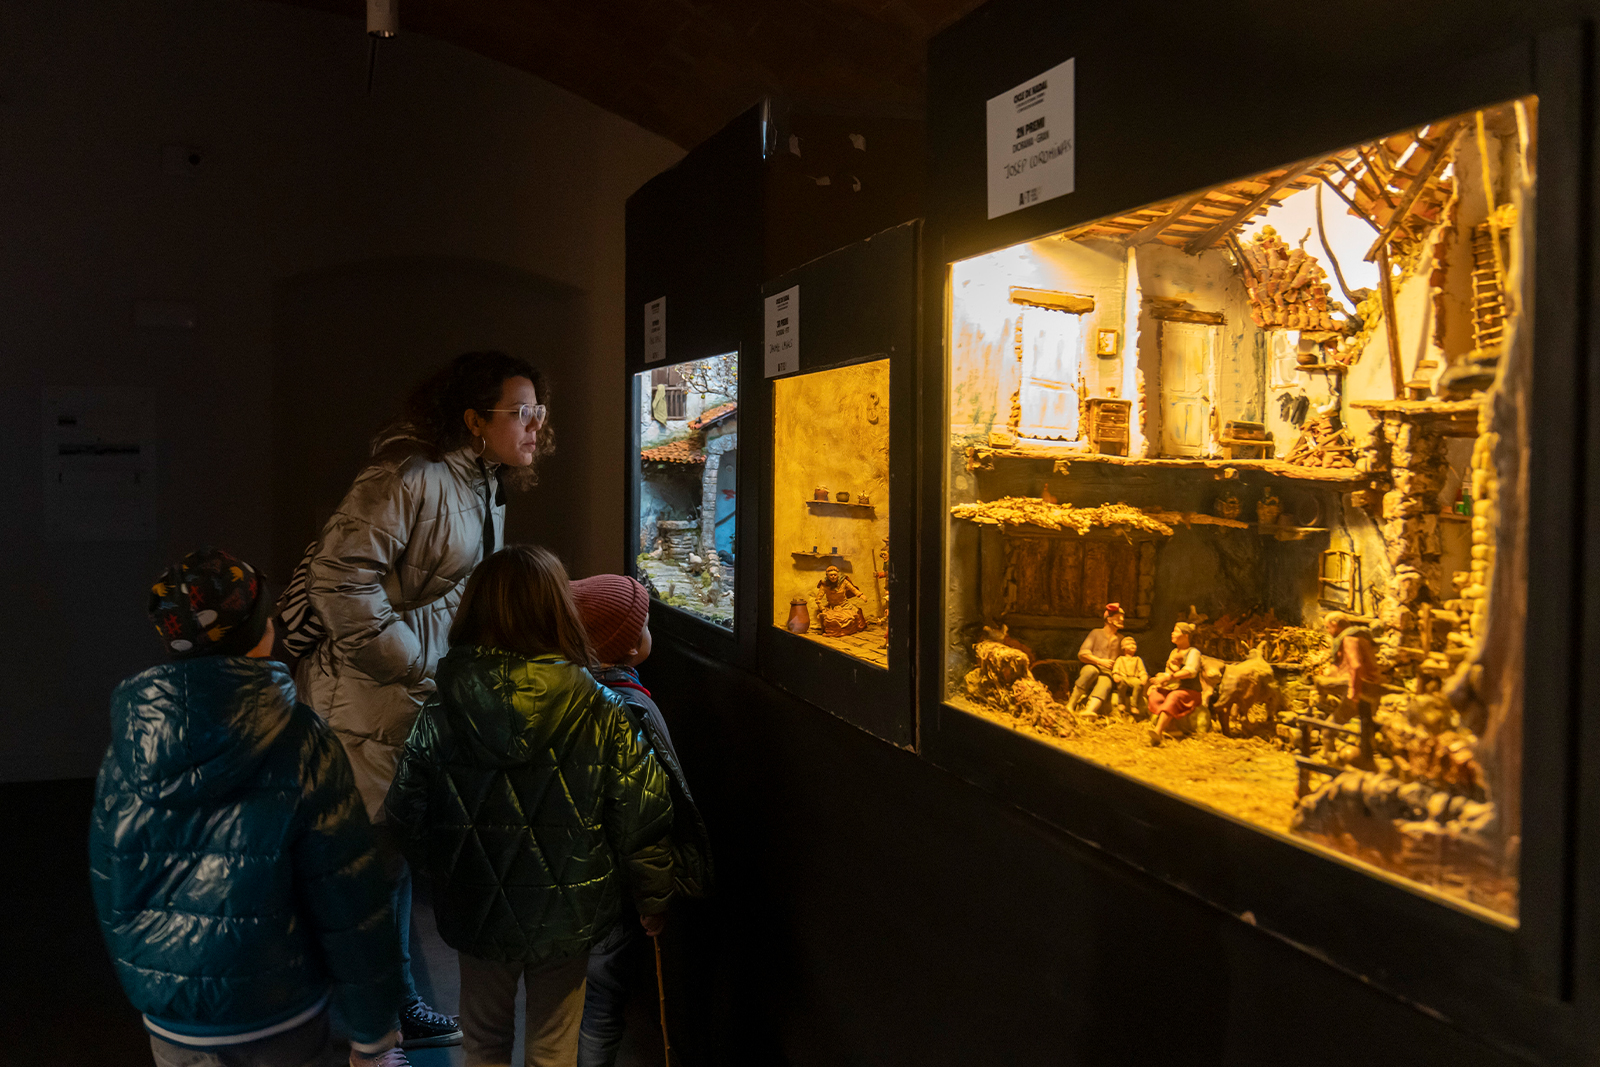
pixel 685 451
pixel 714 415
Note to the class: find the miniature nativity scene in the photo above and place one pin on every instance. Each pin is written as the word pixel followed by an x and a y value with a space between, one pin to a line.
pixel 1238 503
pixel 830 514
pixel 688 485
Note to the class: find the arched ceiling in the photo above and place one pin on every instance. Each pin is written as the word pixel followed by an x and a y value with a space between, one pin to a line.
pixel 683 68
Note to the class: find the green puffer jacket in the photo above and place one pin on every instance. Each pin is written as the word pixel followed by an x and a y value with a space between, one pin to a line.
pixel 534 804
pixel 233 867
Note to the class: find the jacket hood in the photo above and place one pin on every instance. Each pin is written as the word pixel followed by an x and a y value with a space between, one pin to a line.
pixel 506 707
pixel 195 730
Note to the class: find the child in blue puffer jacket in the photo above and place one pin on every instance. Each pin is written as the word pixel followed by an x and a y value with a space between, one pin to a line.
pixel 234 871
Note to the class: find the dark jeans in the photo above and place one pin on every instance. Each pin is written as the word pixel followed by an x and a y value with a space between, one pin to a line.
pixel 606 1001
pixel 400 871
pixel 308 1045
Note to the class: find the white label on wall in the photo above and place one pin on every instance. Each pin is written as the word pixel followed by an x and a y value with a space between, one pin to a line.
pixel 655 330
pixel 99 465
pixel 783 332
pixel 1031 131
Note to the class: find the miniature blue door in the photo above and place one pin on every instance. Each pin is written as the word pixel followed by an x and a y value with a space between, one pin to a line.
pixel 727 502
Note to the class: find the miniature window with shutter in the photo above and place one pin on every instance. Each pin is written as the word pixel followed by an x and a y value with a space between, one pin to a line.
pixel 1339 579
pixel 677 393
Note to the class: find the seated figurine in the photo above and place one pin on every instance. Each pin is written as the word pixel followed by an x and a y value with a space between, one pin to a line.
pixel 837 612
pixel 1128 678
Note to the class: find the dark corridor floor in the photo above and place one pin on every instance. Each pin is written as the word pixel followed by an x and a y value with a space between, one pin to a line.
pixel 60 995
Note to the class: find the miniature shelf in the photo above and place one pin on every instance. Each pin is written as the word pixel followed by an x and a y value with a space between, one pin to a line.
pixel 1460 416
pixel 982 455
pixel 1332 368
pixel 813 502
pixel 817 555
pixel 1286 533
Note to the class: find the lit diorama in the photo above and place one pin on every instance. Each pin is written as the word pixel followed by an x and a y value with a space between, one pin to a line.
pixel 688 492
pixel 830 513
pixel 1238 500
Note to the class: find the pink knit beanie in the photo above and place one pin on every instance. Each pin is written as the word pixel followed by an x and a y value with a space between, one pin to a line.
pixel 614 609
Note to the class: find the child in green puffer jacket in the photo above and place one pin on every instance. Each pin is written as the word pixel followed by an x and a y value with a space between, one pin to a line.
pixel 534 804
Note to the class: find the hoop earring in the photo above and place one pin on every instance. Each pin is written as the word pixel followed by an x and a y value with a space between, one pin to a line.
pixel 482 444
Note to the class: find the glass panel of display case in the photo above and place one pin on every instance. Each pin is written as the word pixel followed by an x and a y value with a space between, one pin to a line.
pixel 830 508
pixel 688 489
pixel 1237 497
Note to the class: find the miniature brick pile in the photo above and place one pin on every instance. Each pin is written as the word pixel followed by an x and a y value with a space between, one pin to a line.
pixel 1287 287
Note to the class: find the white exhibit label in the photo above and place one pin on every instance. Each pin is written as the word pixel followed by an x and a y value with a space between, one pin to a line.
pixel 99 465
pixel 655 330
pixel 1031 131
pixel 783 332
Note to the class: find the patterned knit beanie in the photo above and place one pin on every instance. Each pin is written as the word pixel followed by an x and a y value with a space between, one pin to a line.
pixel 614 609
pixel 210 604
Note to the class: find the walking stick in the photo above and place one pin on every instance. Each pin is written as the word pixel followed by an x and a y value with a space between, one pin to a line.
pixel 661 992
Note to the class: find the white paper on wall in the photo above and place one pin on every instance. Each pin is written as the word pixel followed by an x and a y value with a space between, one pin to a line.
pixel 655 330
pixel 783 332
pixel 1031 131
pixel 99 465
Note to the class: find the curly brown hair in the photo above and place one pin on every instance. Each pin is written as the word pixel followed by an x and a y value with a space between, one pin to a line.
pixel 430 421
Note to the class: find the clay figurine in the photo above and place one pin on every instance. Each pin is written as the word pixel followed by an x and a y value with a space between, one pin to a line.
pixel 838 615
pixel 1268 509
pixel 1175 692
pixel 1098 654
pixel 1128 678
pixel 1353 677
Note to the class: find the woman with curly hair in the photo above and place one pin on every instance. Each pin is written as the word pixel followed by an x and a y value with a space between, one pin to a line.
pixel 387 573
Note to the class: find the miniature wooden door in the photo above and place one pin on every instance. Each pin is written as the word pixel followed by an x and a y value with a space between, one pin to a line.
pixel 1051 344
pixel 1188 354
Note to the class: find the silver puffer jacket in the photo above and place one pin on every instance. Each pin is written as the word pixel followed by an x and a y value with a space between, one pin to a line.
pixel 385 580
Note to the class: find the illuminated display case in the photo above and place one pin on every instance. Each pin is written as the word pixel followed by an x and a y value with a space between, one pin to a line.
pixel 1239 464
pixel 779 185
pixel 839 525
pixel 688 415
pixel 1264 555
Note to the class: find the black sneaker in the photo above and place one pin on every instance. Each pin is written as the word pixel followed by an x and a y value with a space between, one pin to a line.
pixel 422 1027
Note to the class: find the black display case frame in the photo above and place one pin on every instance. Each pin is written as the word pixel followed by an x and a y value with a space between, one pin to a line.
pixel 694 237
pixel 1157 118
pixel 785 182
pixel 858 304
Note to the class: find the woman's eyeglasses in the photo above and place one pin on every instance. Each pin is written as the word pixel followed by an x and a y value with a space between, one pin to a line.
pixel 526 414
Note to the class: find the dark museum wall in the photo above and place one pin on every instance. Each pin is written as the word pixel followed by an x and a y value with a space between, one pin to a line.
pixel 332 246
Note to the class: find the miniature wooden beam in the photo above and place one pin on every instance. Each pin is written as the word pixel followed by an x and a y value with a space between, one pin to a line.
pixel 1052 300
pixel 1154 228
pixel 1377 177
pixel 1436 160
pixel 1386 291
pixel 1354 207
pixel 1226 226
pixel 1322 235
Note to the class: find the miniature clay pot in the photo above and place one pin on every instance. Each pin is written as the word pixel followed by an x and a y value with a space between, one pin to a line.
pixel 799 618
pixel 820 493
pixel 862 498
pixel 842 497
